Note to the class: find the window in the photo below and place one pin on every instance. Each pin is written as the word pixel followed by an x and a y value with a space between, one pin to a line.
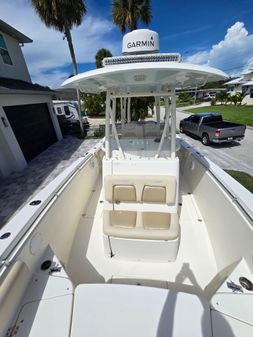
pixel 67 111
pixel 4 52
pixel 195 119
pixel 59 111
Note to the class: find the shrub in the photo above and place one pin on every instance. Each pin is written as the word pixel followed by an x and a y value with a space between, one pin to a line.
pixel 222 96
pixel 234 99
pixel 184 97
pixel 94 103
pixel 100 133
pixel 213 101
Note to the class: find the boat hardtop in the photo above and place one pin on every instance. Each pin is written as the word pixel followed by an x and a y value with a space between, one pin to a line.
pixel 143 235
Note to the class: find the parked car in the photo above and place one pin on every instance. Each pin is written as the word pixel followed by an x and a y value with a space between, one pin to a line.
pixel 209 97
pixel 210 127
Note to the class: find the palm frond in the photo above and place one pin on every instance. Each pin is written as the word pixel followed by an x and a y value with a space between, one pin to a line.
pixel 127 13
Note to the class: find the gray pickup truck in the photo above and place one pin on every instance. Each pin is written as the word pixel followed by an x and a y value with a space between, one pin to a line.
pixel 210 127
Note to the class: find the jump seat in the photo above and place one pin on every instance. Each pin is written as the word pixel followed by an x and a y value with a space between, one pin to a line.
pixel 140 216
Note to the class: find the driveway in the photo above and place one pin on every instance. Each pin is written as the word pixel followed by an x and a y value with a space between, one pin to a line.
pixel 19 188
pixel 236 155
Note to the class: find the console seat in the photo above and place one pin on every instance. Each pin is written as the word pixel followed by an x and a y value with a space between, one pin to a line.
pixel 140 218
pixel 141 225
pixel 141 235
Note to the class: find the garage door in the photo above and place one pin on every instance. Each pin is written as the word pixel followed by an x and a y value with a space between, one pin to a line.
pixel 32 126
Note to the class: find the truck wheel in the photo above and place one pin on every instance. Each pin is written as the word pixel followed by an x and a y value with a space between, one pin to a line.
pixel 205 139
pixel 181 129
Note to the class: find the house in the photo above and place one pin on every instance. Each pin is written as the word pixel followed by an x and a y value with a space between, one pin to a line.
pixel 242 84
pixel 28 124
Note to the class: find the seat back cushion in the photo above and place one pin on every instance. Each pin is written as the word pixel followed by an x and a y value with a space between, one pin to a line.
pixel 123 193
pixel 136 188
pixel 154 194
pixel 124 219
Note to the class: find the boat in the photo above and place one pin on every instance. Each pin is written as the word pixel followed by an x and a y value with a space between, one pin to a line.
pixel 143 235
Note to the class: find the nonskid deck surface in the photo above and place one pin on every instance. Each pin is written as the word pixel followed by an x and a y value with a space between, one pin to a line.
pixel 192 271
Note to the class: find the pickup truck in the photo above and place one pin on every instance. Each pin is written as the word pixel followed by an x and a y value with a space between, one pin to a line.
pixel 210 127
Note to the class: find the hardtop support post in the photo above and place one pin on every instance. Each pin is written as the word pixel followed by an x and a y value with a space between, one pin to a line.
pixel 122 117
pixel 114 107
pixel 158 109
pixel 125 109
pixel 129 110
pixel 173 123
pixel 114 130
pixel 107 126
pixel 158 114
pixel 167 118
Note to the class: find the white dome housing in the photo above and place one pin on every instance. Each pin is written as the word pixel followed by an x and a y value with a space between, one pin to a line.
pixel 140 41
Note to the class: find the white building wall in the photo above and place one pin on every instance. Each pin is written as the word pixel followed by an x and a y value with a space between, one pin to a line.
pixel 247 100
pixel 7 161
pixel 11 156
pixel 19 68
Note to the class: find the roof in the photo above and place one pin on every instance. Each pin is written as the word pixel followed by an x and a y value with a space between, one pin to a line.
pixel 7 84
pixel 250 71
pixel 248 83
pixel 66 94
pixel 235 81
pixel 148 77
pixel 9 30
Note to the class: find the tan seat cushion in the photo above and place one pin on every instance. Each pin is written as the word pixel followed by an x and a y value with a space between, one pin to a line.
pixel 116 225
pixel 124 193
pixel 124 219
pixel 155 220
pixel 154 194
pixel 138 182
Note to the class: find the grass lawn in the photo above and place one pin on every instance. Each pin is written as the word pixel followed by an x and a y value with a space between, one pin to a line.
pixel 236 114
pixel 244 178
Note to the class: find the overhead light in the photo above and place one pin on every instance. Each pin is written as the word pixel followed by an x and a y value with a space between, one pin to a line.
pixel 140 78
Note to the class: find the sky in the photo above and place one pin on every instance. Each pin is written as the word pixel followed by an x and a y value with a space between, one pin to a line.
pixel 218 33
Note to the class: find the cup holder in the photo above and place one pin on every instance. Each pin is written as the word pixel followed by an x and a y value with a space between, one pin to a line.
pixel 246 283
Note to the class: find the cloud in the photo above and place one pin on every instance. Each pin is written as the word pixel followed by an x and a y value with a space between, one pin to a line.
pixel 233 54
pixel 49 53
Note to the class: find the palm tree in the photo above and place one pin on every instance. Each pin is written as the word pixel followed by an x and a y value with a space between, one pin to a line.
pixel 241 96
pixel 62 15
pixel 127 13
pixel 100 55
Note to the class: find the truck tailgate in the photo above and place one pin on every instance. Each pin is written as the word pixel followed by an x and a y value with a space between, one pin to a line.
pixel 232 131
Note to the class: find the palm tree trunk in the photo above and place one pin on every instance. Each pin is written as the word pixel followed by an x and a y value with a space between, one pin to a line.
pixel 73 57
pixel 133 23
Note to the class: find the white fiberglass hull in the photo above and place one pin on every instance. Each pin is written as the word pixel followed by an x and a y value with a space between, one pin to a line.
pixel 66 228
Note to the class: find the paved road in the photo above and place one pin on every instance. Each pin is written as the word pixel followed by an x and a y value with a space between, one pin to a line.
pixel 236 155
